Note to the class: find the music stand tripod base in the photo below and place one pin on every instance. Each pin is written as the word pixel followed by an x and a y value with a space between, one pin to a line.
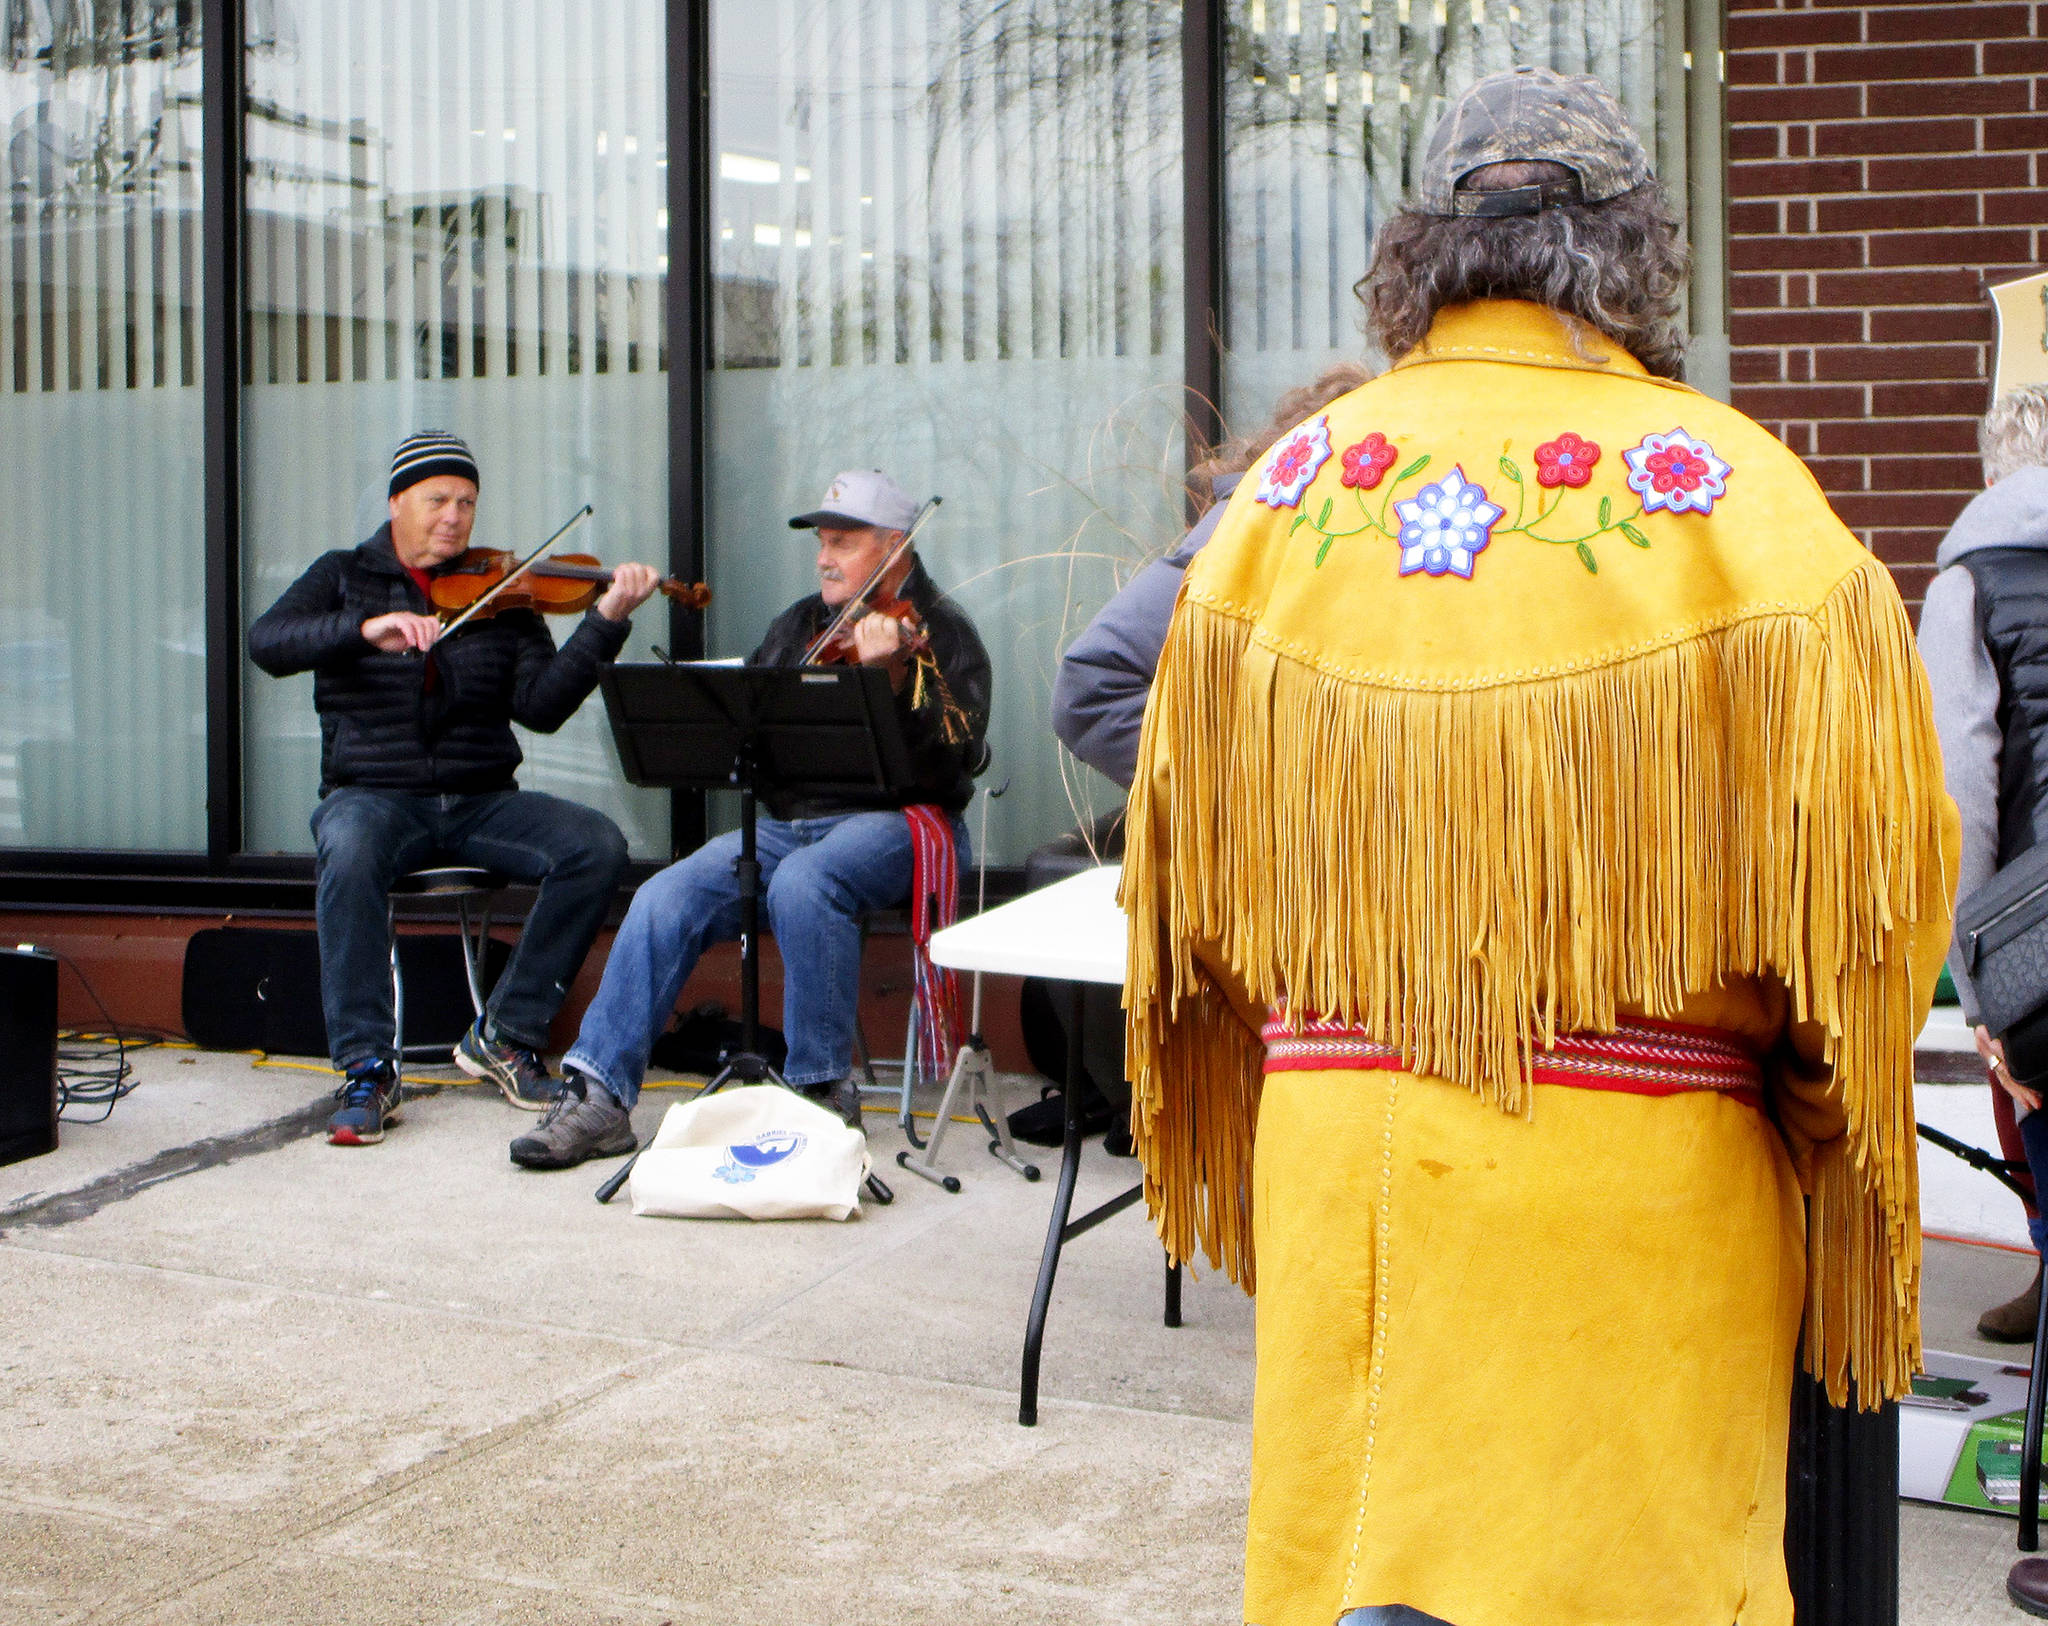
pixel 748 1068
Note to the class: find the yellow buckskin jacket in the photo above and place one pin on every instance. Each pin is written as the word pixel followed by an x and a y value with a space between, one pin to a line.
pixel 1519 689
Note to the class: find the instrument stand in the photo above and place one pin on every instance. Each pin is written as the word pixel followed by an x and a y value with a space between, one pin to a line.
pixel 970 1087
pixel 973 1068
pixel 714 726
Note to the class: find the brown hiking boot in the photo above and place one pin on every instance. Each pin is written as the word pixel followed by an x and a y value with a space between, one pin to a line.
pixel 2013 1321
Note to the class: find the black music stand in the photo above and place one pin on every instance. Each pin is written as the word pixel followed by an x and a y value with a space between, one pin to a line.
pixel 755 729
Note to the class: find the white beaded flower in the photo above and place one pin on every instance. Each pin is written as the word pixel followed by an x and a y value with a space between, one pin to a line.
pixel 1294 463
pixel 1676 472
pixel 1445 526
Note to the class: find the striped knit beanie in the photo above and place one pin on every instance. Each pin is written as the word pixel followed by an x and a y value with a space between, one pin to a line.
pixel 430 452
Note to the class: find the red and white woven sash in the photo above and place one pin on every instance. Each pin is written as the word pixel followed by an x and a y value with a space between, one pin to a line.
pixel 1641 1057
pixel 934 905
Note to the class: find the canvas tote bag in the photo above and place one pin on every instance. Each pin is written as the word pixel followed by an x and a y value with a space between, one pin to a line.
pixel 756 1152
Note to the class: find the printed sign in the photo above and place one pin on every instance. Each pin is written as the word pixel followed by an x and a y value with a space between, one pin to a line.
pixel 2021 354
pixel 1959 1434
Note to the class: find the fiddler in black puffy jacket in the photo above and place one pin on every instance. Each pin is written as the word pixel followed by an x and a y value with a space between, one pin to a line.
pixel 417 758
pixel 385 722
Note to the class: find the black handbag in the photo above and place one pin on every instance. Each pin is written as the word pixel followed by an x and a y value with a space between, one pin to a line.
pixel 2002 929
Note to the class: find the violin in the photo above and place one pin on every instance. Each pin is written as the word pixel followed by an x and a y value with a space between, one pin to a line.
pixel 483 581
pixel 566 584
pixel 839 648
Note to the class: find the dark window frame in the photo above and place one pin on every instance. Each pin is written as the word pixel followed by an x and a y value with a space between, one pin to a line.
pixel 226 877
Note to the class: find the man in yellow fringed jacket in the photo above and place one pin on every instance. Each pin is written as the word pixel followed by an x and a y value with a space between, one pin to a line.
pixel 1539 840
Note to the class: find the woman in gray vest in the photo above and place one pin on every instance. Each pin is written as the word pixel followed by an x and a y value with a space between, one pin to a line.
pixel 1984 636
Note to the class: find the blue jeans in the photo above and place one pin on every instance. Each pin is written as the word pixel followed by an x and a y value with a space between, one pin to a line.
pixel 2034 1137
pixel 817 876
pixel 365 839
pixel 1388 1614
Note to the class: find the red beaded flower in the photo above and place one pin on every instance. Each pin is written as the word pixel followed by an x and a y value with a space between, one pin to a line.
pixel 1676 472
pixel 1291 460
pixel 1675 469
pixel 1366 464
pixel 1566 461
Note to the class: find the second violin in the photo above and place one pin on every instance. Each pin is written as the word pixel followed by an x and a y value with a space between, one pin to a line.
pixel 840 648
pixel 835 645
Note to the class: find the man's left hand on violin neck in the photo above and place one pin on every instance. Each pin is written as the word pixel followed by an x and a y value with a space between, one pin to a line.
pixel 632 586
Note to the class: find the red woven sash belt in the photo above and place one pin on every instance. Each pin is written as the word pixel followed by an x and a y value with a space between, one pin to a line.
pixel 1641 1057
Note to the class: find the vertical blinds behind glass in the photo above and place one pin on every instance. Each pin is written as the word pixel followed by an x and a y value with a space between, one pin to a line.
pixel 102 648
pixel 947 243
pixel 456 219
pixel 1328 107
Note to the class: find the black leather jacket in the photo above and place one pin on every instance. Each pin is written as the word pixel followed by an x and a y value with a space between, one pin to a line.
pixel 945 773
pixel 383 724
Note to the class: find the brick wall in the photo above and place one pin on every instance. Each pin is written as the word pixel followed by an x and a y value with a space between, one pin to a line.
pixel 1885 162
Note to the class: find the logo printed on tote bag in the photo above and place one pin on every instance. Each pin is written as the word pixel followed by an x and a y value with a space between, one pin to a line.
pixel 764 1151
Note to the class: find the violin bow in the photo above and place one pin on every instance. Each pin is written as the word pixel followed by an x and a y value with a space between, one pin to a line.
pixel 859 600
pixel 519 569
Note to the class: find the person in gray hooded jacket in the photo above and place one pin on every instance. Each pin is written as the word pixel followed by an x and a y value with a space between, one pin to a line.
pixel 1105 677
pixel 1984 638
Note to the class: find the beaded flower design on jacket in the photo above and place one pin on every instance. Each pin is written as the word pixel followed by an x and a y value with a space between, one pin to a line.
pixel 1442 526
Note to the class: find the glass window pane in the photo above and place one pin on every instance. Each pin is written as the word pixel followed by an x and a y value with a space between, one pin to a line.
pixel 457 220
pixel 102 616
pixel 1327 108
pixel 948 245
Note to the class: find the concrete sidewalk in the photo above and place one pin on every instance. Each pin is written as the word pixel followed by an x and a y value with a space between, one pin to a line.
pixel 250 1378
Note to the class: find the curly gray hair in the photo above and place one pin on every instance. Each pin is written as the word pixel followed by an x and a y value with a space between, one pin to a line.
pixel 1618 266
pixel 2014 433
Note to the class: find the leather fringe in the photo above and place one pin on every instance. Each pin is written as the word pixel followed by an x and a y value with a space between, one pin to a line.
pixel 1759 797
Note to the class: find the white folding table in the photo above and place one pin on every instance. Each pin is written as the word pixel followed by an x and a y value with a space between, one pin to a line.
pixel 1071 932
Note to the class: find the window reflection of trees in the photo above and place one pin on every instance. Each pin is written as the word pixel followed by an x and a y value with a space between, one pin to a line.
pixel 983 180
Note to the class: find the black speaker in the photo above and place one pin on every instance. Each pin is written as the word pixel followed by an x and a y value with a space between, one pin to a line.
pixel 258 989
pixel 28 1053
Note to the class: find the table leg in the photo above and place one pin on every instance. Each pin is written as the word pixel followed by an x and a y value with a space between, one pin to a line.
pixel 1172 1294
pixel 2030 1435
pixel 1062 1206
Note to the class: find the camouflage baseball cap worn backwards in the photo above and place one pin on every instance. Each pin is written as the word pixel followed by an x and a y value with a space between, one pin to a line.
pixel 1531 115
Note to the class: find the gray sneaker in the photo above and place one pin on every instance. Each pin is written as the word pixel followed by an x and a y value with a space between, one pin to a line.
pixel 582 1122
pixel 520 1074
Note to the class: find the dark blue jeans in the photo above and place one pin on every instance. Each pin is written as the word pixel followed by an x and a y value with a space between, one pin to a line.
pixel 366 839
pixel 2034 1137
pixel 818 876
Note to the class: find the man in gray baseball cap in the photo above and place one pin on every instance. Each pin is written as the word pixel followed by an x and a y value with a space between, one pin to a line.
pixel 824 859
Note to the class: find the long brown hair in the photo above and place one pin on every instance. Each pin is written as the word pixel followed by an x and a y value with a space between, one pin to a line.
pixel 1236 456
pixel 1618 266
